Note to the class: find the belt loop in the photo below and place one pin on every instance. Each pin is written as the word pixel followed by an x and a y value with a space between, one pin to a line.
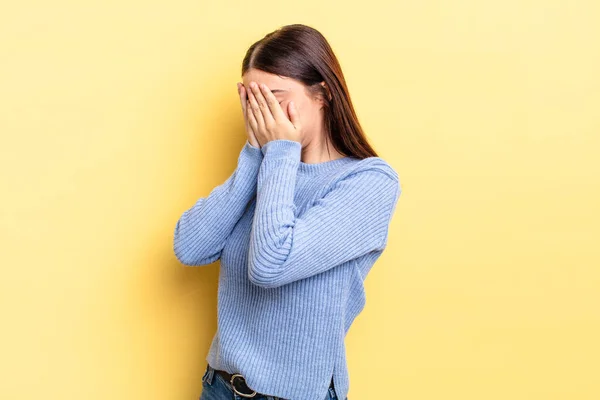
pixel 209 374
pixel 332 394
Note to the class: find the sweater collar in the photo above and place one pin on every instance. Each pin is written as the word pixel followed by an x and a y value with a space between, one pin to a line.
pixel 315 168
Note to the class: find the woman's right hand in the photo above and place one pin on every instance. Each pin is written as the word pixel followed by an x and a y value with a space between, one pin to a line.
pixel 244 103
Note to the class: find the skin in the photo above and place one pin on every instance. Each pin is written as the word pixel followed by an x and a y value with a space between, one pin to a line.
pixel 283 109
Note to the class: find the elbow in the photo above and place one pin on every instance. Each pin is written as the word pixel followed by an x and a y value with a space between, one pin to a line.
pixel 178 248
pixel 262 281
pixel 267 262
pixel 263 276
pixel 189 253
pixel 181 255
pixel 264 284
pixel 189 257
pixel 193 257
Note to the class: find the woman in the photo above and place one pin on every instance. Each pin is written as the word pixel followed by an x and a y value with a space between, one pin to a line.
pixel 297 227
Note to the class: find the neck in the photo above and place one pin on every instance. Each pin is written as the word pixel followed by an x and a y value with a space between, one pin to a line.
pixel 317 150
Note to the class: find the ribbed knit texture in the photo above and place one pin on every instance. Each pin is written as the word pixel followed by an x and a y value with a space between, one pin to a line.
pixel 295 242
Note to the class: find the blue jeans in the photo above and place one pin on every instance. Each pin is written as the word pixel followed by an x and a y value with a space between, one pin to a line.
pixel 215 387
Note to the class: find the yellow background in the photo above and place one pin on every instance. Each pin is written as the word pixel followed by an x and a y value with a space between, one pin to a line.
pixel 116 116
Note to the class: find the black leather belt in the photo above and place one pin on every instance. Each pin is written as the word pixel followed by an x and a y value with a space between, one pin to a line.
pixel 238 383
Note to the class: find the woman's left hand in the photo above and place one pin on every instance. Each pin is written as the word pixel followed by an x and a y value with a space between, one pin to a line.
pixel 267 118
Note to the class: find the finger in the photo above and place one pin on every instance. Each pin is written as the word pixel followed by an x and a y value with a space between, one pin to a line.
pixel 251 118
pixel 245 108
pixel 243 100
pixel 242 94
pixel 294 116
pixel 247 111
pixel 262 103
pixel 256 112
pixel 272 102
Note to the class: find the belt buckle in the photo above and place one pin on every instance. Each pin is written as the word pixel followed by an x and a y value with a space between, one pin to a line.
pixel 235 389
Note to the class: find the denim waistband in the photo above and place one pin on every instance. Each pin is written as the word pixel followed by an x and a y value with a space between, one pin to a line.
pixel 210 373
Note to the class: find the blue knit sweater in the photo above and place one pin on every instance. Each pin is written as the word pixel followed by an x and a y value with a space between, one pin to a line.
pixel 295 242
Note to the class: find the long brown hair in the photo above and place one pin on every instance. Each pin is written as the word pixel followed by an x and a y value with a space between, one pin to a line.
pixel 300 52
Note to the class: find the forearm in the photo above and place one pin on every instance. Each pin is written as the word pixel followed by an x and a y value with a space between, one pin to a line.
pixel 202 230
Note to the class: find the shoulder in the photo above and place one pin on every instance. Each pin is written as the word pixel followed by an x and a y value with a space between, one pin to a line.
pixel 370 167
pixel 371 176
pixel 377 164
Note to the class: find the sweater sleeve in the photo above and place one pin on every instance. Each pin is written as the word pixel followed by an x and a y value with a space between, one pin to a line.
pixel 201 232
pixel 348 221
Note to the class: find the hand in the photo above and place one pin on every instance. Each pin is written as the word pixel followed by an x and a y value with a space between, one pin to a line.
pixel 267 119
pixel 249 132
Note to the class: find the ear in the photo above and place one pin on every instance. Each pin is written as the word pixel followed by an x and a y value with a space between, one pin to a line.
pixel 328 93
